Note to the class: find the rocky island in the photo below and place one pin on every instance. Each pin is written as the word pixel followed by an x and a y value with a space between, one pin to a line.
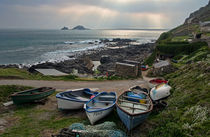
pixel 80 27
pixel 65 28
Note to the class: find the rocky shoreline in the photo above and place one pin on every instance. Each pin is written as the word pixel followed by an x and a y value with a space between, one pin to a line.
pixel 115 50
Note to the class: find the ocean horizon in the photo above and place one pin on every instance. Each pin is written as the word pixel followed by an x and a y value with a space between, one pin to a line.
pixel 32 46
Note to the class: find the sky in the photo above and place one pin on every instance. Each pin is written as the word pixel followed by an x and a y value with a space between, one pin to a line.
pixel 96 14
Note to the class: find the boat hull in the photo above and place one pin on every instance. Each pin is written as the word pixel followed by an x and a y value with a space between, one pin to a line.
pixel 20 99
pixel 100 106
pixel 151 85
pixel 68 104
pixel 131 121
pixel 96 116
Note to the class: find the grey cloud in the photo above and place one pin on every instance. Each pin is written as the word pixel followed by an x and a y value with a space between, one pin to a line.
pixel 174 10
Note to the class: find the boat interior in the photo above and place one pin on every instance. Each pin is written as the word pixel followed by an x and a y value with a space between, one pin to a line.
pixel 134 105
pixel 77 94
pixel 35 91
pixel 101 101
pixel 138 89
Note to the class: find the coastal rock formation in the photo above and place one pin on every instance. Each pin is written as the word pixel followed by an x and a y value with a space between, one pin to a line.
pixel 200 15
pixel 80 27
pixel 105 59
pixel 108 56
pixel 65 28
pixel 193 24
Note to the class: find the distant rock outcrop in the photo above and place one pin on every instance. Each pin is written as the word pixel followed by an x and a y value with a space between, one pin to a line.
pixel 201 15
pixel 80 27
pixel 194 23
pixel 65 28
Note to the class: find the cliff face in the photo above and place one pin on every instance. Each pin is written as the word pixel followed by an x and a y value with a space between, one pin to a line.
pixel 192 23
pixel 203 14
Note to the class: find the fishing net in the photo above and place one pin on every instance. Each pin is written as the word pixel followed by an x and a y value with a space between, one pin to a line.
pixel 77 126
pixel 106 129
pixel 103 126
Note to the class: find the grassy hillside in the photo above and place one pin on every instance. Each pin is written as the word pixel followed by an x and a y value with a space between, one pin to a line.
pixel 188 108
pixel 188 111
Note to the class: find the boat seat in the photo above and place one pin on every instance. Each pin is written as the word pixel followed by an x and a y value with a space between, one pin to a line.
pixel 76 97
pixel 106 98
pixel 134 98
pixel 110 102
pixel 82 99
pixel 94 107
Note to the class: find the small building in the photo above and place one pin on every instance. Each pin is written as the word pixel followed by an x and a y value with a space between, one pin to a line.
pixel 51 72
pixel 161 64
pixel 128 68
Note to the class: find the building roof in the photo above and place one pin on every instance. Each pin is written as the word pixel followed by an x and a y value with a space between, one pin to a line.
pixel 51 72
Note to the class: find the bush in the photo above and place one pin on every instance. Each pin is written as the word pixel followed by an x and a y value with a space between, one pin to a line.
pixel 73 77
pixel 175 48
pixel 166 36
pixel 150 60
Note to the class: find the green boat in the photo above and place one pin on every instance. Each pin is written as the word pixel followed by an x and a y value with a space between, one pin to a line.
pixel 32 95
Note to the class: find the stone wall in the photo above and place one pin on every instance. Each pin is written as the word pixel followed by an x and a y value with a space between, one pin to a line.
pixel 136 63
pixel 126 70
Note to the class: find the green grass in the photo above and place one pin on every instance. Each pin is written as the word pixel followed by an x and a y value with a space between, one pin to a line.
pixel 207 34
pixel 188 110
pixel 198 55
pixel 7 90
pixel 180 38
pixel 13 73
pixel 150 60
pixel 31 120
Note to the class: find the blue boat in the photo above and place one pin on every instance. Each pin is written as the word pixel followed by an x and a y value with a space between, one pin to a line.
pixel 100 106
pixel 133 108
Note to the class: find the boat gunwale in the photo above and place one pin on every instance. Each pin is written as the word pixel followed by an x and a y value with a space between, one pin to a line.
pixel 17 94
pixel 58 95
pixel 100 109
pixel 153 81
pixel 131 114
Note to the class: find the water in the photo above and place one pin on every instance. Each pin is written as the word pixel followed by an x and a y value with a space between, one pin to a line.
pixel 32 46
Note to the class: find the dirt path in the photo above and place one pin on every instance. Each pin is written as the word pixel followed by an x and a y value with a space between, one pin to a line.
pixel 117 86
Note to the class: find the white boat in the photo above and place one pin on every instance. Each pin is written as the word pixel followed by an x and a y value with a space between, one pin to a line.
pixel 160 92
pixel 74 99
pixel 154 82
pixel 100 106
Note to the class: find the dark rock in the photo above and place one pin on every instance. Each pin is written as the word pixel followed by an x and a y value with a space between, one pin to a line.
pixel 108 58
pixel 103 68
pixel 9 66
pixel 105 59
pixel 65 28
pixel 80 27
pixel 154 72
pixel 90 43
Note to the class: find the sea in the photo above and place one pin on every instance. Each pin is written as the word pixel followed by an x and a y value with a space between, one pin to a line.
pixel 27 47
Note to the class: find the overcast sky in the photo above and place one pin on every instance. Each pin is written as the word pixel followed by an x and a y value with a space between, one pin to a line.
pixel 96 14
